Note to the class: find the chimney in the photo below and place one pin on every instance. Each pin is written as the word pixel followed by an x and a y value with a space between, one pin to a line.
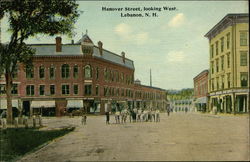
pixel 123 57
pixel 58 44
pixel 72 41
pixel 100 47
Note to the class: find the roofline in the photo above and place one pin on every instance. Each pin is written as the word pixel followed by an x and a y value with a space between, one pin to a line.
pixel 48 44
pixel 79 56
pixel 204 71
pixel 153 87
pixel 222 20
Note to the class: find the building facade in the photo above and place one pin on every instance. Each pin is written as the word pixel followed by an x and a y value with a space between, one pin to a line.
pixel 78 75
pixel 201 91
pixel 229 65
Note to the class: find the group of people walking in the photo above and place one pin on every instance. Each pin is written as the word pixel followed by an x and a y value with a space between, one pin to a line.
pixel 134 115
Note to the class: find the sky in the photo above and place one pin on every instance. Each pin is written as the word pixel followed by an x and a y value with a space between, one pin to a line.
pixel 172 44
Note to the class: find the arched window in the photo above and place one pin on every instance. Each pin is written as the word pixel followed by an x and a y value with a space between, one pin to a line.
pixel 65 71
pixel 41 72
pixel 87 71
pixel 75 73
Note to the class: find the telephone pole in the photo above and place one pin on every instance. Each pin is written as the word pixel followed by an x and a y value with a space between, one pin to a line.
pixel 150 79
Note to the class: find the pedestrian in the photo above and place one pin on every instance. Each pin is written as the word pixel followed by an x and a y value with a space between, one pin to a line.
pixel 168 111
pixel 107 117
pixel 157 115
pixel 153 114
pixel 117 117
pixel 84 119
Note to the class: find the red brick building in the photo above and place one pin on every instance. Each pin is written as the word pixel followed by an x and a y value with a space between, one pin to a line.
pixel 79 75
pixel 201 90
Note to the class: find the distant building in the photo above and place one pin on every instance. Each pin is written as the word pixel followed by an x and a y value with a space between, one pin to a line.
pixel 201 91
pixel 229 65
pixel 182 105
pixel 78 75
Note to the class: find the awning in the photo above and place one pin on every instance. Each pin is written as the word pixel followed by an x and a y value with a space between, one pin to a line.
pixel 75 104
pixel 40 104
pixel 3 103
pixel 201 100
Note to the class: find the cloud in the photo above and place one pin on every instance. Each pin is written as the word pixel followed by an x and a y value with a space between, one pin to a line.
pixel 175 56
pixel 177 20
pixel 126 33
pixel 123 29
pixel 141 38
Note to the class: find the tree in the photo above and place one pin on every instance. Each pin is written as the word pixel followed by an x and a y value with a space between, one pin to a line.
pixel 28 18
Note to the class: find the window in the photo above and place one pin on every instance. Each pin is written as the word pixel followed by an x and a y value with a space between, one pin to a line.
pixel 122 92
pixel 217 65
pixel 212 51
pixel 65 89
pixel 75 71
pixel 228 40
pixel 65 71
pixel 212 84
pixel 243 58
pixel 14 89
pixel 105 74
pixel 41 72
pixel 96 90
pixel 112 76
pixel 29 72
pixel 75 89
pixel 217 83
pixel 15 72
pixel 122 77
pixel 2 89
pixel 52 89
pixel 88 89
pixel 97 73
pixel 222 81
pixel 222 62
pixel 243 38
pixel 244 79
pixel 228 80
pixel 41 89
pixel 117 92
pixel 30 90
pixel 87 72
pixel 222 44
pixel 216 47
pixel 228 60
pixel 212 67
pixel 51 72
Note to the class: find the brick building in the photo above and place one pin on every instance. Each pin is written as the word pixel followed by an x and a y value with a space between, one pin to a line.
pixel 201 91
pixel 78 75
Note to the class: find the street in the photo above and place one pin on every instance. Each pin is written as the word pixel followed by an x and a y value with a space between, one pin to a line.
pixel 180 136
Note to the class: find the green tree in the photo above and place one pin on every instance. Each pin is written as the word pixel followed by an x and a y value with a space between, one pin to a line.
pixel 28 18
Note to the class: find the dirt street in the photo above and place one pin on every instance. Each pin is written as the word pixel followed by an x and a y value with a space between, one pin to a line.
pixel 180 136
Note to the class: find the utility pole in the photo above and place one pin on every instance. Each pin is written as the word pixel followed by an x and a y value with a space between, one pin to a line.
pixel 150 79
